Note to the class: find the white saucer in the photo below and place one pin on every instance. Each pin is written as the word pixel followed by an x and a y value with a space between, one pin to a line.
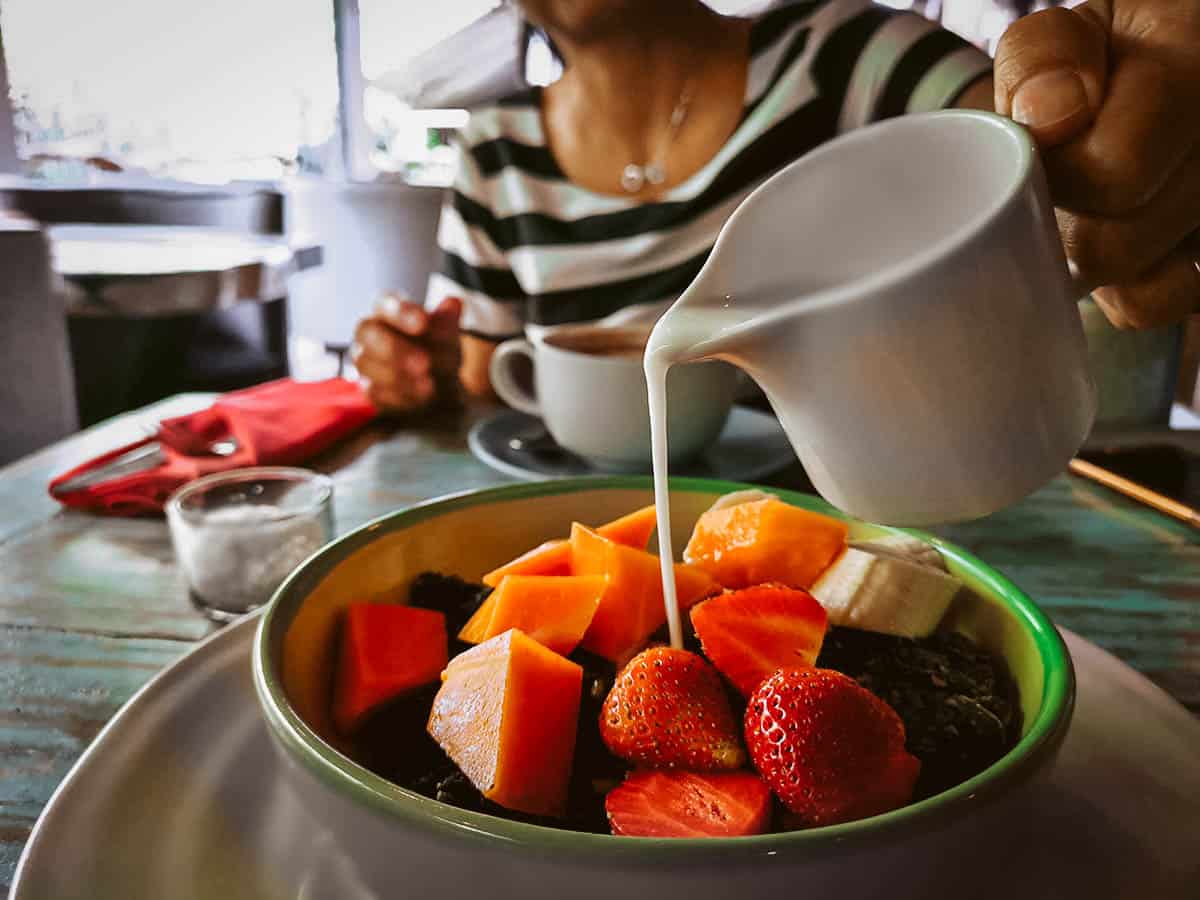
pixel 180 798
pixel 751 446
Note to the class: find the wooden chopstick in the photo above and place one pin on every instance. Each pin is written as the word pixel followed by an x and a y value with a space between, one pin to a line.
pixel 1135 491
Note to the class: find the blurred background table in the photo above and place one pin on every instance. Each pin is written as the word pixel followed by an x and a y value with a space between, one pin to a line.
pixel 90 608
pixel 118 297
pixel 201 269
pixel 152 310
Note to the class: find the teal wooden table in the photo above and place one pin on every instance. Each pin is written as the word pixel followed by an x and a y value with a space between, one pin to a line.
pixel 90 607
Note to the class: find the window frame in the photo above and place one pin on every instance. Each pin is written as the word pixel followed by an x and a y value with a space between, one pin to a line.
pixel 10 163
pixel 353 135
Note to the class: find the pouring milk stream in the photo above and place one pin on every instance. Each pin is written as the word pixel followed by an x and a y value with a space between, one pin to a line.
pixel 902 297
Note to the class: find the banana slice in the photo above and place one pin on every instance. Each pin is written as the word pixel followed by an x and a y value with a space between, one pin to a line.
pixel 885 593
pixel 903 546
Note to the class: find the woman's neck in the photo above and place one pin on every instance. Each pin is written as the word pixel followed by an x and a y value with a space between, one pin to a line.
pixel 650 57
pixel 621 100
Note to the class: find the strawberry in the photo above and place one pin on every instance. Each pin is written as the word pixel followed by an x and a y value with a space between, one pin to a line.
pixel 668 709
pixel 689 805
pixel 750 633
pixel 830 749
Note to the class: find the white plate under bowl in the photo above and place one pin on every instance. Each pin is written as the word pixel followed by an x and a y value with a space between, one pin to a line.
pixel 181 798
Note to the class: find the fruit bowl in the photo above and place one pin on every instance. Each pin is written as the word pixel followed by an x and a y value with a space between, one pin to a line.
pixel 395 840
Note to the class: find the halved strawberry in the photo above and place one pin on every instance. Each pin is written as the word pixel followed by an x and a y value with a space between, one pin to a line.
pixel 689 805
pixel 830 749
pixel 668 709
pixel 749 634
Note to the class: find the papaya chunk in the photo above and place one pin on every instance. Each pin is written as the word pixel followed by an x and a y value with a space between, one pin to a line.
pixel 550 558
pixel 631 605
pixel 691 586
pixel 765 541
pixel 476 631
pixel 554 557
pixel 506 714
pixel 553 610
pixel 386 650
pixel 632 530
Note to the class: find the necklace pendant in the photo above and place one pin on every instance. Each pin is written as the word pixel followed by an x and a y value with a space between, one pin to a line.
pixel 633 178
pixel 654 173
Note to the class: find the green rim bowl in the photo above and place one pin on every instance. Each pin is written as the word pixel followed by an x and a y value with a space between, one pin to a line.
pixel 467 534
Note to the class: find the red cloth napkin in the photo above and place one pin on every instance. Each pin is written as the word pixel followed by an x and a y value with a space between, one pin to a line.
pixel 279 423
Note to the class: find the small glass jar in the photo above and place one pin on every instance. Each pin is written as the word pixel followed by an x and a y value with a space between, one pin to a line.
pixel 239 534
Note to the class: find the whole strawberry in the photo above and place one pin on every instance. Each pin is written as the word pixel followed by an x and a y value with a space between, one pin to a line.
pixel 668 709
pixel 830 749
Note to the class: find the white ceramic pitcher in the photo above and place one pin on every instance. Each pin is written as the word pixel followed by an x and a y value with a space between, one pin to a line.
pixel 902 296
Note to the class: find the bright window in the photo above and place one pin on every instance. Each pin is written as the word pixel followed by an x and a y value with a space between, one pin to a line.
pixel 393 34
pixel 205 91
pixel 393 31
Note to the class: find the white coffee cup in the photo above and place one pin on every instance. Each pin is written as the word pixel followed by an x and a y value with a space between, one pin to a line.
pixel 590 390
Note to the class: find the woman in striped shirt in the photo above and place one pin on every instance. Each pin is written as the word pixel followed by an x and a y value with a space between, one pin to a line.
pixel 606 190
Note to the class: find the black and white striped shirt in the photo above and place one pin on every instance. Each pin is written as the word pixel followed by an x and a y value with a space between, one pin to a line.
pixel 522 244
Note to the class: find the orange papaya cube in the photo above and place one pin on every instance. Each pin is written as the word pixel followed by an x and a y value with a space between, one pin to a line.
pixel 692 585
pixel 631 605
pixel 554 557
pixel 386 650
pixel 765 541
pixel 476 629
pixel 550 558
pixel 506 714
pixel 554 610
pixel 632 530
